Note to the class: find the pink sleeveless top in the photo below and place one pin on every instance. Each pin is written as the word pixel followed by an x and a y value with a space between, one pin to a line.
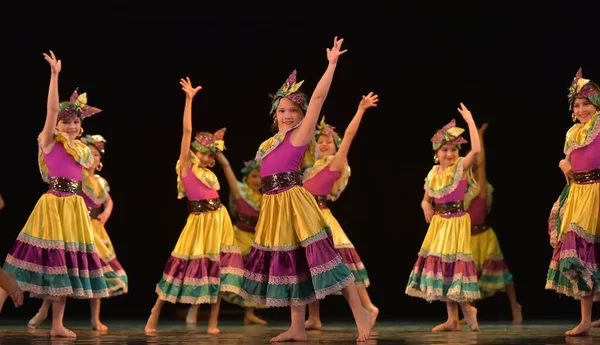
pixel 478 210
pixel 244 208
pixel 457 195
pixel 321 183
pixel 195 189
pixel 586 158
pixel 62 164
pixel 285 158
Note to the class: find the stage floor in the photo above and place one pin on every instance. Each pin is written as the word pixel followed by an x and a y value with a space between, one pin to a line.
pixel 14 332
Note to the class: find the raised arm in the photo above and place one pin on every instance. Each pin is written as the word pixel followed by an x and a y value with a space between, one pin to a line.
pixel 229 175
pixel 474 136
pixel 306 131
pixel 47 135
pixel 341 155
pixel 108 207
pixel 481 176
pixel 186 138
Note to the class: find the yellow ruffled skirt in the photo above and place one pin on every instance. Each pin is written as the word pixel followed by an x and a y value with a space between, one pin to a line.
pixel 113 268
pixel 492 270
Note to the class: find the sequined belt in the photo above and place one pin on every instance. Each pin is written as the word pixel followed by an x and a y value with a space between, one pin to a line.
pixel 584 177
pixel 63 184
pixel 282 180
pixel 321 201
pixel 448 207
pixel 479 229
pixel 95 212
pixel 246 222
pixel 205 205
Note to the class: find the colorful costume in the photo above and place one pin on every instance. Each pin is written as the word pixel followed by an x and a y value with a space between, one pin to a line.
pixel 574 222
pixel 206 260
pixel 293 260
pixel 54 254
pixel 445 270
pixel 245 211
pixel 492 270
pixel 326 185
pixel 95 190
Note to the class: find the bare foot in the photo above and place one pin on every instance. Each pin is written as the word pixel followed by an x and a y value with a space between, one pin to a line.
pixel 448 326
pixel 583 328
pixel 192 316
pixel 374 313
pixel 253 319
pixel 517 315
pixel 364 327
pixel 313 324
pixel 290 335
pixel 471 318
pixel 462 321
pixel 99 326
pixel 596 324
pixel 213 330
pixel 152 322
pixel 36 321
pixel 61 331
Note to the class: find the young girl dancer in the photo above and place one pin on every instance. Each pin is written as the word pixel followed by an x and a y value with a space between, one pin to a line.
pixel 96 196
pixel 492 270
pixel 326 180
pixel 445 270
pixel 54 256
pixel 293 260
pixel 574 222
pixel 206 261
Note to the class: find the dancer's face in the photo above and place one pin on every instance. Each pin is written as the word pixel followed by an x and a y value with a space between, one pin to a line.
pixel 288 113
pixel 583 109
pixel 96 155
pixel 206 159
pixel 253 180
pixel 447 154
pixel 326 146
pixel 70 126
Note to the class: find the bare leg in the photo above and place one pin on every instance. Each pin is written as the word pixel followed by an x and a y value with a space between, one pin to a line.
pixel 314 317
pixel 362 317
pixel 451 324
pixel 58 312
pixel 152 322
pixel 95 315
pixel 470 314
pixel 192 315
pixel 585 326
pixel 515 307
pixel 251 318
pixel 365 300
pixel 3 297
pixel 41 315
pixel 297 332
pixel 213 319
pixel 9 287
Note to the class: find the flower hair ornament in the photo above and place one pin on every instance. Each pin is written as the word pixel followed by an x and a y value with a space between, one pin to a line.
pixel 289 90
pixel 76 107
pixel 249 166
pixel 327 130
pixel 97 140
pixel 449 134
pixel 581 88
pixel 205 142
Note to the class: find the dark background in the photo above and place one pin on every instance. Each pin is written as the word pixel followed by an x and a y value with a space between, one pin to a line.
pixel 510 71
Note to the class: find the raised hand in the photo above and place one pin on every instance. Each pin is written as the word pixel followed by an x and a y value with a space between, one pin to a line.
pixel 483 127
pixel 55 64
pixel 466 114
pixel 334 53
pixel 368 101
pixel 186 86
pixel 220 134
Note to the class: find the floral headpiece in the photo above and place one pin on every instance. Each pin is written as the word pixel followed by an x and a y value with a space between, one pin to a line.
pixel 449 134
pixel 289 90
pixel 580 89
pixel 97 140
pixel 76 107
pixel 327 130
pixel 249 166
pixel 205 142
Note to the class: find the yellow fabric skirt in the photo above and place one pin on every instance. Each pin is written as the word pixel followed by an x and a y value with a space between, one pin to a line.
pixel 244 239
pixel 113 268
pixel 492 270
pixel 55 253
